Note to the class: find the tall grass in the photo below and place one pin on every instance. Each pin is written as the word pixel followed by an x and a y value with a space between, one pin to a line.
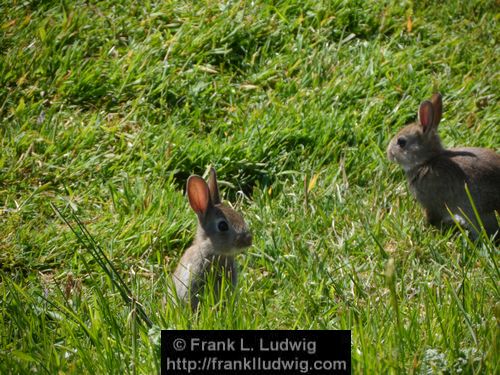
pixel 106 108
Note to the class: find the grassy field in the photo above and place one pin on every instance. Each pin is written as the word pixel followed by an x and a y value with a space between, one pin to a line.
pixel 107 107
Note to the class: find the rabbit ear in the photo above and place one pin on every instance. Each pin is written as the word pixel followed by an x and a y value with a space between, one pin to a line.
pixel 437 106
pixel 212 186
pixel 426 115
pixel 198 195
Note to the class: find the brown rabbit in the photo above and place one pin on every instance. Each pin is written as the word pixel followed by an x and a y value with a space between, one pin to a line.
pixel 222 233
pixel 438 176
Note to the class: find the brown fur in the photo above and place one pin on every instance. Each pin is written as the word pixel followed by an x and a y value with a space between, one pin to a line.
pixel 437 177
pixel 213 250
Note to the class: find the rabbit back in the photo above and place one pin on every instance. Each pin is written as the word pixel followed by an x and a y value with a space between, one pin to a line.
pixel 439 185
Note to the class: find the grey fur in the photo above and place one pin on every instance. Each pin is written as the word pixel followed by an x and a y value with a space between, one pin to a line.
pixel 437 176
pixel 213 250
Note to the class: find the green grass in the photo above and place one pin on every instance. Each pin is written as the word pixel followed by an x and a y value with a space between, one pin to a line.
pixel 107 107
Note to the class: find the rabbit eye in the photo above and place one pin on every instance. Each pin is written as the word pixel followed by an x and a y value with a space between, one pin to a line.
pixel 401 142
pixel 222 226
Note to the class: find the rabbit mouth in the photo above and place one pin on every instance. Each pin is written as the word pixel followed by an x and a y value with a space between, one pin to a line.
pixel 239 244
pixel 243 240
pixel 232 251
pixel 401 160
pixel 390 156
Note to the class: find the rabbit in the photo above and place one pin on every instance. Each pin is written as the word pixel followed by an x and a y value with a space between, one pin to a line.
pixel 222 233
pixel 437 176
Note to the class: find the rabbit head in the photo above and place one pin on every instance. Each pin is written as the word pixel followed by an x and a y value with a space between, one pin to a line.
pixel 220 224
pixel 418 142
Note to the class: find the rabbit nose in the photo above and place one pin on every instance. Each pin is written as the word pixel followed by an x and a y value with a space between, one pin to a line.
pixel 245 239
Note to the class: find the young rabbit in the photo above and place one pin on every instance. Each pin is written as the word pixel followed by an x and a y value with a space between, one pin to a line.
pixel 222 233
pixel 437 176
